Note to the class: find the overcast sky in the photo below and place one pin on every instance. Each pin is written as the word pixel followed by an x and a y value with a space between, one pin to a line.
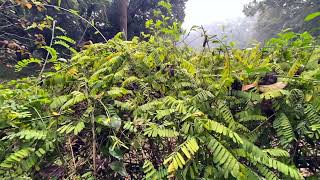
pixel 201 12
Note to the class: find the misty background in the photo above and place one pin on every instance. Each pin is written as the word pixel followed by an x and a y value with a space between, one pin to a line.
pixel 222 18
pixel 247 22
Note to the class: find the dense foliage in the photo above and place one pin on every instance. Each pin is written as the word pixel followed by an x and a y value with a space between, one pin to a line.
pixel 149 109
pixel 26 25
pixel 276 15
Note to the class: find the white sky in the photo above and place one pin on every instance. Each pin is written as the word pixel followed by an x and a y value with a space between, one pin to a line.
pixel 201 12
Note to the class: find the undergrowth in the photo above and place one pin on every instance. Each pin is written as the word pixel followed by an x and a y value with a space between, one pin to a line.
pixel 147 109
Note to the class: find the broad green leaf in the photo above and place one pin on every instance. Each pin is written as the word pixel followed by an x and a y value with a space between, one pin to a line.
pixel 312 16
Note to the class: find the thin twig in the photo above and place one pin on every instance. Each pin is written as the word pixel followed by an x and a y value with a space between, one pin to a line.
pixel 82 18
pixel 47 57
pixel 93 130
pixel 94 150
pixel 17 36
pixel 72 154
pixel 3 4
pixel 58 146
pixel 40 117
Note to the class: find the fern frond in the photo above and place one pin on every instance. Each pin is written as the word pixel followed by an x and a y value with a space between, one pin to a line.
pixel 256 154
pixel 154 130
pixel 151 173
pixel 25 62
pixel 294 68
pixel 313 122
pixel 188 66
pixel 64 44
pixel 149 170
pixel 125 106
pixel 221 129
pixel 16 157
pixel 78 127
pixel 116 92
pixel 254 134
pixel 76 98
pixel 311 115
pixel 150 106
pixel 273 94
pixel 248 173
pixel 296 96
pixel 226 114
pixel 53 53
pixel 114 63
pixel 284 129
pixel 266 172
pixel 163 113
pixel 276 152
pixel 130 80
pixel 247 96
pixel 180 157
pixel 67 39
pixel 253 118
pixel 130 127
pixel 178 105
pixel 181 85
pixel 222 156
pixel 202 96
pixel 68 128
pixel 58 101
pixel 28 135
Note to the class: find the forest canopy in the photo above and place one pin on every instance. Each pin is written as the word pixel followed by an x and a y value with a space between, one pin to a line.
pixel 274 16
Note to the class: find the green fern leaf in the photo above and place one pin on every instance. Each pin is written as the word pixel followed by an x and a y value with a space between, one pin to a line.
pixel 25 62
pixel 154 130
pixel 163 113
pixel 130 127
pixel 53 53
pixel 58 102
pixel 221 129
pixel 273 94
pixel 253 118
pixel 79 127
pixel 64 44
pixel 276 152
pixel 189 67
pixel 267 173
pixel 176 159
pixel 76 98
pixel 67 39
pixel 28 135
pixel 284 129
pixel 16 157
pixel 223 157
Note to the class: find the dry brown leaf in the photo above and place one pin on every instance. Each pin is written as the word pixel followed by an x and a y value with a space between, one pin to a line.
pixel 249 86
pixel 271 87
pixel 28 5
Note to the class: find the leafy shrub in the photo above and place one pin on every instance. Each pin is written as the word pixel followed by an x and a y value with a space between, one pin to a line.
pixel 149 109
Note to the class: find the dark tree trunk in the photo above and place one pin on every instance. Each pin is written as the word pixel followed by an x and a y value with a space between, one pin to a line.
pixel 123 16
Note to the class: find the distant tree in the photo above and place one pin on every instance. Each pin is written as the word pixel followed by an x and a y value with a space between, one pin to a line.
pixel 276 15
pixel 24 25
pixel 121 15
pixel 139 11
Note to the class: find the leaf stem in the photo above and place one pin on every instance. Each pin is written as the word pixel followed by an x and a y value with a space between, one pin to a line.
pixel 47 57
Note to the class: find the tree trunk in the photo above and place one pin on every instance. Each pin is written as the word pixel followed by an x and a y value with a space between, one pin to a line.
pixel 123 16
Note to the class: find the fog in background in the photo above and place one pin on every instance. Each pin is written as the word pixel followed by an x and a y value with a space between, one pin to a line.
pixel 219 17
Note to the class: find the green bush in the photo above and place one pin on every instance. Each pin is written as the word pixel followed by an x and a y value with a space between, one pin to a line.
pixel 147 109
pixel 150 109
